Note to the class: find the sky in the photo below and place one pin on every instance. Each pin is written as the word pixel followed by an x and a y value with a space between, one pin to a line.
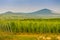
pixel 29 5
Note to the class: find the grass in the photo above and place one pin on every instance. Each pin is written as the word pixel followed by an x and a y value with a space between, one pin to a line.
pixel 30 25
pixel 16 37
pixel 31 37
pixel 12 29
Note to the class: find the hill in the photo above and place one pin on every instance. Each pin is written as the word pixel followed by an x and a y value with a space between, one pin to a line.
pixel 44 13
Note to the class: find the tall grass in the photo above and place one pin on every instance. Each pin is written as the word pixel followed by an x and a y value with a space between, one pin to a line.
pixel 30 26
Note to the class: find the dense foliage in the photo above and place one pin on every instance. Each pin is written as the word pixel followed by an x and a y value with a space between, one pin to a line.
pixel 30 25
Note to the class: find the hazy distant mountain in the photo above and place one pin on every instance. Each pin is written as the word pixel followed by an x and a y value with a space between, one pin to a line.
pixel 44 13
pixel 8 12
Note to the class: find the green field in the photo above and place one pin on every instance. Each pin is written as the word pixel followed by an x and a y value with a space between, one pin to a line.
pixel 28 26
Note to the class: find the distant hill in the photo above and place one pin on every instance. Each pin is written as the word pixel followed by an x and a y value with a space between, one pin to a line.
pixel 44 13
pixel 8 12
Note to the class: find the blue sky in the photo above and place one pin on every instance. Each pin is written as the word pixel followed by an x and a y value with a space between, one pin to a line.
pixel 28 5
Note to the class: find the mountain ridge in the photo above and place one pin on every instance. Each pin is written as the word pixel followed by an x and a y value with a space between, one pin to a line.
pixel 37 14
pixel 42 11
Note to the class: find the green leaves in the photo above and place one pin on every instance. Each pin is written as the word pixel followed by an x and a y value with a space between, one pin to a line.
pixel 30 26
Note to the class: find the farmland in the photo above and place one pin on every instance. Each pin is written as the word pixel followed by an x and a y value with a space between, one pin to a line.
pixel 30 25
pixel 16 27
